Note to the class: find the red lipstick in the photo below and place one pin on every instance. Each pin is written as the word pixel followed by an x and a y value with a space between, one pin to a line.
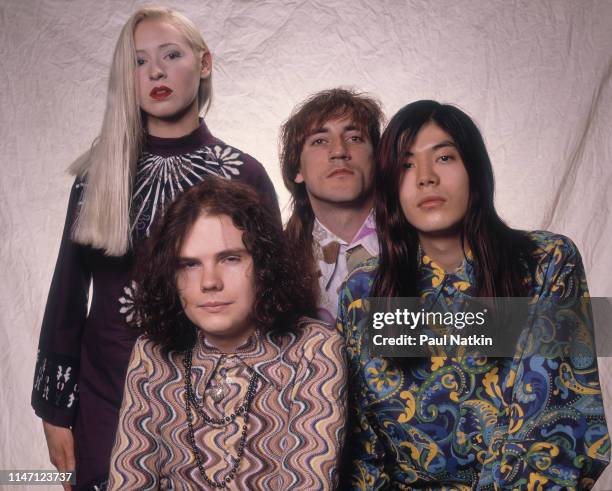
pixel 160 93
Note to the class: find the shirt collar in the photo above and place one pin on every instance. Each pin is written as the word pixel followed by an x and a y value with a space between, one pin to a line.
pixel 259 353
pixel 366 235
pixel 464 273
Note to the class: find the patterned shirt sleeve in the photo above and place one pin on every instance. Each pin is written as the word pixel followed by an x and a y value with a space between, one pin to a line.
pixel 317 414
pixel 54 393
pixel 557 435
pixel 363 466
pixel 135 452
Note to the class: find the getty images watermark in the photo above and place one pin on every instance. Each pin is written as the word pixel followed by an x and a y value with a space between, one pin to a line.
pixel 30 477
pixel 412 320
pixel 493 327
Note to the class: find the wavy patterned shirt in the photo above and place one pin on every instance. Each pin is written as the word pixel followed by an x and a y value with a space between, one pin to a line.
pixel 534 421
pixel 295 427
pixel 85 343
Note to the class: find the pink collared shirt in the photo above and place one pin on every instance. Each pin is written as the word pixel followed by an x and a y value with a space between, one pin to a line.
pixel 335 259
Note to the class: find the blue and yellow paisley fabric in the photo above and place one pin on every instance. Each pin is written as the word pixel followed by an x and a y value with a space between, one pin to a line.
pixel 533 422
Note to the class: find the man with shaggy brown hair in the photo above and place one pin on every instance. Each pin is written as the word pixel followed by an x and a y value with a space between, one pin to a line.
pixel 327 161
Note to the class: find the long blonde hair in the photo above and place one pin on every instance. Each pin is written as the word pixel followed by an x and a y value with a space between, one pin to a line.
pixel 109 166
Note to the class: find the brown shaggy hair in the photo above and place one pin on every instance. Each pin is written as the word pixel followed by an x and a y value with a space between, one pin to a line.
pixel 315 111
pixel 282 296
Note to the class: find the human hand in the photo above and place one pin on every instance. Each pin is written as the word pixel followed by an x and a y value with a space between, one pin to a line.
pixel 60 443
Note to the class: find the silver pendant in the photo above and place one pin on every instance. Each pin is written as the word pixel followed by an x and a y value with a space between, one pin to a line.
pixel 217 393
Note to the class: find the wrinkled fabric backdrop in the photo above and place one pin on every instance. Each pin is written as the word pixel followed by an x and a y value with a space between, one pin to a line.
pixel 536 76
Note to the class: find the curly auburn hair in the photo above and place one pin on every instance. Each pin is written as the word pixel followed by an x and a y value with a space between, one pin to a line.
pixel 281 295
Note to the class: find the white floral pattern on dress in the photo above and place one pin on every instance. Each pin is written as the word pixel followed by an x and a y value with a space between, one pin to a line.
pixel 159 180
pixel 228 160
pixel 62 392
pixel 127 302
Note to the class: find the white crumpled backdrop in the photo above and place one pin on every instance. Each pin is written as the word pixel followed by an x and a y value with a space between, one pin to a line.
pixel 536 76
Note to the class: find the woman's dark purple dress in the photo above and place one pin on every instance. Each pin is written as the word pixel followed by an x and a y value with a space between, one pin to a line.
pixel 83 357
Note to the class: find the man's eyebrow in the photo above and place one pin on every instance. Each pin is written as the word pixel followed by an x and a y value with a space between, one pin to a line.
pixel 234 250
pixel 437 146
pixel 183 259
pixel 315 131
pixel 231 252
pixel 223 253
pixel 445 143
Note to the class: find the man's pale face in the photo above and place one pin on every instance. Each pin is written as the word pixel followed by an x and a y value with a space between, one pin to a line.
pixel 337 164
pixel 434 187
pixel 215 281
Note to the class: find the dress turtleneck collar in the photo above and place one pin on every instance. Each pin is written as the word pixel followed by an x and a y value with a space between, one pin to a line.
pixel 167 147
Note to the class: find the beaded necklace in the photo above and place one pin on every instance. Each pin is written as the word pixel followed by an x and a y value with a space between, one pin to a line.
pixel 243 410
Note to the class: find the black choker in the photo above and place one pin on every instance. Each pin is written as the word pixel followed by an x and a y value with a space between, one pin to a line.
pixel 243 410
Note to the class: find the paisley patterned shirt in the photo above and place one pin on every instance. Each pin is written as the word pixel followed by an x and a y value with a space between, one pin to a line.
pixel 295 425
pixel 534 421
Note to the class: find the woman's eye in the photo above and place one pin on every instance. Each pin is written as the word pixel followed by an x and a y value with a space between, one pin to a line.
pixel 174 54
pixel 318 141
pixel 140 62
pixel 445 158
pixel 407 165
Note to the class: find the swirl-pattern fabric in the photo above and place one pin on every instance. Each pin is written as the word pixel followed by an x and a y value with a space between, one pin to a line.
pixel 533 421
pixel 295 428
pixel 84 350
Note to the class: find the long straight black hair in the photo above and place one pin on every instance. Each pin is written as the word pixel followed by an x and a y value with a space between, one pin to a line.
pixel 501 255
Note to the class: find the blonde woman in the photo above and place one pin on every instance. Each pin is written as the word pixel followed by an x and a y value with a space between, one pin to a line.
pixel 152 147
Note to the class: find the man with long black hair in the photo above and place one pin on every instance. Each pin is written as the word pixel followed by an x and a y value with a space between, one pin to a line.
pixel 533 419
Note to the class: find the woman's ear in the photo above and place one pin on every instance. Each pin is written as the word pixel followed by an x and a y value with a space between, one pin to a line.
pixel 206 65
